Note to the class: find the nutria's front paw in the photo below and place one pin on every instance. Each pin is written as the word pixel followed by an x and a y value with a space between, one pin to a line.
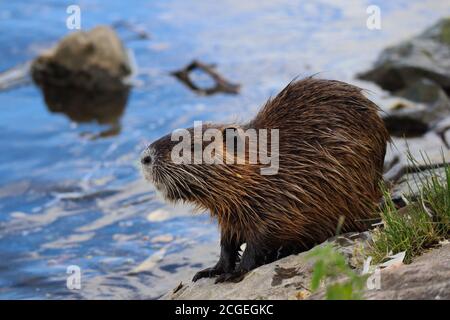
pixel 207 273
pixel 235 277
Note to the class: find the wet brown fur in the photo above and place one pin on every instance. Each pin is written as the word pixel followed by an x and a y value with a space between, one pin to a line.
pixel 332 146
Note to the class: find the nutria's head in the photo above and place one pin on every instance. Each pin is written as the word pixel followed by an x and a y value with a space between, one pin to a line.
pixel 200 175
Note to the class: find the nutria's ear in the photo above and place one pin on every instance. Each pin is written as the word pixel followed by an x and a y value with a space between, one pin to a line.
pixel 232 131
pixel 231 128
pixel 232 136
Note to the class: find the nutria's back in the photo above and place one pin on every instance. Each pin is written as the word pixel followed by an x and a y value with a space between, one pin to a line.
pixel 332 144
pixel 332 148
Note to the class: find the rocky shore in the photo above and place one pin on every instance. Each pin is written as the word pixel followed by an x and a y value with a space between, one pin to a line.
pixel 427 277
pixel 416 71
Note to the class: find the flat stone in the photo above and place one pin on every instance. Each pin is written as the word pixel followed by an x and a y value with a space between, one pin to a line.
pixel 427 277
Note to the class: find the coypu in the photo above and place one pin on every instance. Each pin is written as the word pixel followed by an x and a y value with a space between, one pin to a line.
pixel 332 144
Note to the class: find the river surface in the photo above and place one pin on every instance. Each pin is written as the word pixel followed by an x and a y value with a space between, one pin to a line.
pixel 72 195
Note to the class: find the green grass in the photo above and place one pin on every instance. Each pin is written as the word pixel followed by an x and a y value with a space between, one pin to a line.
pixel 421 225
pixel 331 268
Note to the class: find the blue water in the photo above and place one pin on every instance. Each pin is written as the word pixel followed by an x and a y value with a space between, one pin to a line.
pixel 67 198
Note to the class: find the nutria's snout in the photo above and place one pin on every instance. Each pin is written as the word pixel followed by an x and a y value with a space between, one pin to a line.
pixel 147 162
pixel 155 166
pixel 146 157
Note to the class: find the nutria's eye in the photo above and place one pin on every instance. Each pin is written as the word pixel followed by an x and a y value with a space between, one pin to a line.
pixel 230 133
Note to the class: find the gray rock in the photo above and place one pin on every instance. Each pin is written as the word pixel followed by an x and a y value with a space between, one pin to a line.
pixel 282 279
pixel 95 59
pixel 432 105
pixel 419 71
pixel 428 152
pixel 426 278
pixel 410 184
pixel 287 278
pixel 426 56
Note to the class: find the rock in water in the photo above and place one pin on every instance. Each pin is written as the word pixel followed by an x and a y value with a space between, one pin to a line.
pixel 424 56
pixel 92 60
pixel 431 105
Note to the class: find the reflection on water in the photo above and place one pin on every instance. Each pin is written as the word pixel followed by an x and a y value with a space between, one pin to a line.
pixel 67 200
pixel 80 105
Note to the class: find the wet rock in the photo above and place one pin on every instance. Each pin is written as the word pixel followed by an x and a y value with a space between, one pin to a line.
pixel 431 105
pixel 93 60
pixel 404 124
pixel 426 56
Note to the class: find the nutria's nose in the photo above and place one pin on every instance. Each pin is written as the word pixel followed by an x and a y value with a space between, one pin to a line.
pixel 146 160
